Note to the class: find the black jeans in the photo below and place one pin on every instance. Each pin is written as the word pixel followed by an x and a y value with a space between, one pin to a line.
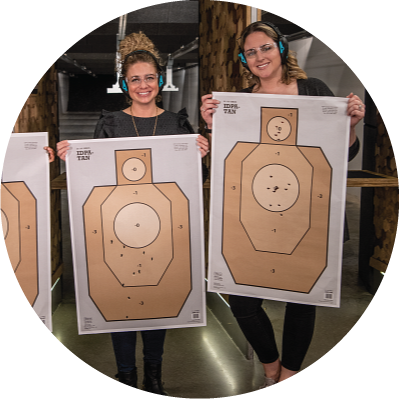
pixel 255 324
pixel 125 348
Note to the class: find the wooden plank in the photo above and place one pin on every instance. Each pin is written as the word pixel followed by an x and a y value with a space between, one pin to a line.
pixel 378 265
pixel 373 180
pixel 57 273
pixel 59 182
pixel 379 181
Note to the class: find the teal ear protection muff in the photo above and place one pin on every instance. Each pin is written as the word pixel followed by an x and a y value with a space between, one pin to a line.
pixel 122 80
pixel 281 41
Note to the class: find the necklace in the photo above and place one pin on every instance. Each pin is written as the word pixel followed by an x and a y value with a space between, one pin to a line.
pixel 134 122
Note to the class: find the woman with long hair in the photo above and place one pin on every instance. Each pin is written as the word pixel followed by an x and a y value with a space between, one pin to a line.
pixel 273 69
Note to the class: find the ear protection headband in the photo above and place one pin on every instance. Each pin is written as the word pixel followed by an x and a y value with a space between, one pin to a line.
pixel 122 80
pixel 282 43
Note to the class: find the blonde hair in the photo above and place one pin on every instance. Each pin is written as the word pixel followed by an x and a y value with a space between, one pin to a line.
pixel 146 52
pixel 291 69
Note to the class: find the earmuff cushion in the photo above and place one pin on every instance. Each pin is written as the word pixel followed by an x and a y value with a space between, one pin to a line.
pixel 242 57
pixel 125 85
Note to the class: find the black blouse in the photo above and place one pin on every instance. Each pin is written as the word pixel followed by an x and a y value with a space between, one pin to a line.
pixel 114 124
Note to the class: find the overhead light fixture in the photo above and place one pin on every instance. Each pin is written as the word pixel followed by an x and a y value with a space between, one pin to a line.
pixel 69 60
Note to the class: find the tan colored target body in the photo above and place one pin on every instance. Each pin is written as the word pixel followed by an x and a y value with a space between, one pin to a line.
pixel 138 243
pixel 276 208
pixel 19 222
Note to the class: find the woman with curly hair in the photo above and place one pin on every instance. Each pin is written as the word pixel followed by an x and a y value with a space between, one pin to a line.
pixel 272 68
pixel 141 81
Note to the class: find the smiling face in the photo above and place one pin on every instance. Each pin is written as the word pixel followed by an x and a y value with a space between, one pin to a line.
pixel 265 65
pixel 142 80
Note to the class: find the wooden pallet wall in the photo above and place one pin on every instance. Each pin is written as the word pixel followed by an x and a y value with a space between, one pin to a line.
pixel 40 114
pixel 221 24
pixel 385 201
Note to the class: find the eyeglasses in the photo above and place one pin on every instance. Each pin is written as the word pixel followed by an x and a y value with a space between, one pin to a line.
pixel 136 80
pixel 251 53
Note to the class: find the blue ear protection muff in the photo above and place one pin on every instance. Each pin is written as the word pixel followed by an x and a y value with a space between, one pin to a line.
pixel 124 85
pixel 282 44
pixel 242 58
pixel 122 80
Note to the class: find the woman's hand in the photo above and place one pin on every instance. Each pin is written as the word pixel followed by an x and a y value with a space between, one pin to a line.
pixel 208 107
pixel 62 149
pixel 356 110
pixel 203 145
pixel 51 153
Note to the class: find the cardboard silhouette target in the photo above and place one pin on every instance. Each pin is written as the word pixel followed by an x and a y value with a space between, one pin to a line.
pixel 136 219
pixel 278 181
pixel 137 243
pixel 25 218
pixel 18 217
pixel 276 205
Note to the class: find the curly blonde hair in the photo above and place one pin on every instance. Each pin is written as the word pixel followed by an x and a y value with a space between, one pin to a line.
pixel 291 69
pixel 146 52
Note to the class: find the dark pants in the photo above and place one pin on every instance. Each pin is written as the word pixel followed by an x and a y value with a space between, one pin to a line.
pixel 255 324
pixel 125 348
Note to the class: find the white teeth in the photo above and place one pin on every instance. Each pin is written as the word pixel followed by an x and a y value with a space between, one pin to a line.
pixel 264 65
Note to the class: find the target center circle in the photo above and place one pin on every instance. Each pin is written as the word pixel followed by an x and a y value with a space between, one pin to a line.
pixel 275 187
pixel 137 225
pixel 133 169
pixel 279 128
